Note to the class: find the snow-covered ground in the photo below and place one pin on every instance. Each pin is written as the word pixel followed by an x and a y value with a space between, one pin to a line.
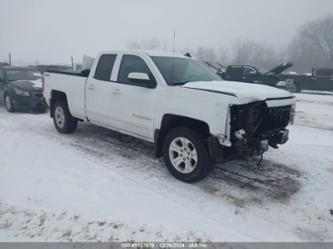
pixel 98 185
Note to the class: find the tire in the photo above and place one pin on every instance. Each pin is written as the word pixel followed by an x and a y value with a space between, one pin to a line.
pixel 182 161
pixel 8 103
pixel 63 121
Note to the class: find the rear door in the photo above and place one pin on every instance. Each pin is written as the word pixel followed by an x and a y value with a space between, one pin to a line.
pixel 133 104
pixel 99 90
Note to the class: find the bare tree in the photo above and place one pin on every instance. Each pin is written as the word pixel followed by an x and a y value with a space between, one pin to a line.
pixel 252 52
pixel 243 51
pixel 313 45
pixel 223 55
pixel 206 54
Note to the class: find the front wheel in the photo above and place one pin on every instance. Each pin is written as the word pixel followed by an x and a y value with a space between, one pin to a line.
pixel 63 120
pixel 186 155
pixel 8 103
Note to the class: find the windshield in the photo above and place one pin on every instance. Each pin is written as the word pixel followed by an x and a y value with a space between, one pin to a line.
pixel 22 74
pixel 261 70
pixel 178 71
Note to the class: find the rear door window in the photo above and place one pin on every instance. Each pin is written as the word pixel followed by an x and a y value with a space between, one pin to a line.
pixel 104 67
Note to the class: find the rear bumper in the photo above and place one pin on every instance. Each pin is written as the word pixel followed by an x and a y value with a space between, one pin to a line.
pixel 254 146
pixel 34 101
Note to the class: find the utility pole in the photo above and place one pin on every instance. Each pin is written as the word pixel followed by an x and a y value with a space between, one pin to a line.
pixel 72 60
pixel 10 58
pixel 173 42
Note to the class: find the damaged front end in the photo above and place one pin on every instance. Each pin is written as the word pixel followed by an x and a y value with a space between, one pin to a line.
pixel 252 129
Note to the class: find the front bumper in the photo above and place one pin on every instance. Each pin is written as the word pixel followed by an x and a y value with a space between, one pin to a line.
pixel 34 101
pixel 247 147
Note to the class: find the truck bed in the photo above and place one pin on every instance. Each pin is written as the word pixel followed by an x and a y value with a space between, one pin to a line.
pixel 73 84
pixel 81 74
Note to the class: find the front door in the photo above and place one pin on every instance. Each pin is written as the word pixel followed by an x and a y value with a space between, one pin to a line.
pixel 133 103
pixel 249 74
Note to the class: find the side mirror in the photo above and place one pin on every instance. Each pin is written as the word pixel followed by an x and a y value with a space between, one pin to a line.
pixel 141 79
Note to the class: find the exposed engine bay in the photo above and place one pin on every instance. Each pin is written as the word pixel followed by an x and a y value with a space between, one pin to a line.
pixel 256 126
pixel 256 122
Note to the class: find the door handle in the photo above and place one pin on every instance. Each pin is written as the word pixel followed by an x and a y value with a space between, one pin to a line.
pixel 91 87
pixel 116 91
pixel 244 78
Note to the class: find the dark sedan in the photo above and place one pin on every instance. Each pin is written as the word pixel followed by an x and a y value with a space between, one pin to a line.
pixel 21 88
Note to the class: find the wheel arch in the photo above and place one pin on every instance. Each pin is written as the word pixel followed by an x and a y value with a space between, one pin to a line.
pixel 171 121
pixel 55 96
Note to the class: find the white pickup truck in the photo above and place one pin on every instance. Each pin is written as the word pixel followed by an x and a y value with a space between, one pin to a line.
pixel 192 116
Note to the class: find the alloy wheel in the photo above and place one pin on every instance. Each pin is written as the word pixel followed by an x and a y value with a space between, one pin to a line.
pixel 183 155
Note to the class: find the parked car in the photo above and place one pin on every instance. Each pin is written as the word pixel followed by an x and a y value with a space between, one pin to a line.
pixel 321 79
pixel 259 75
pixel 175 102
pixel 21 88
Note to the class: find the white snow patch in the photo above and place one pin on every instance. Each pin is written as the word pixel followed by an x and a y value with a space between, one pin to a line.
pixel 98 185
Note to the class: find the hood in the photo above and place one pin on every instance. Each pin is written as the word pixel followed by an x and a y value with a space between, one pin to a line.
pixel 279 69
pixel 250 92
pixel 28 85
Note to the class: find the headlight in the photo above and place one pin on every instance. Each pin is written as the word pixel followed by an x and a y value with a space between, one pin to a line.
pixel 292 113
pixel 20 92
pixel 281 83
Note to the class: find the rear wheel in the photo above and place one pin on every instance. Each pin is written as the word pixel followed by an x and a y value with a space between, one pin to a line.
pixel 8 103
pixel 63 120
pixel 186 155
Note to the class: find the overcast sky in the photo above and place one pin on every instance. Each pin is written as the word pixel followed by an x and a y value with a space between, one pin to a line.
pixel 52 30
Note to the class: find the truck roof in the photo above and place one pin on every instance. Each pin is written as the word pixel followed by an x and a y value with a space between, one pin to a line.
pixel 150 53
